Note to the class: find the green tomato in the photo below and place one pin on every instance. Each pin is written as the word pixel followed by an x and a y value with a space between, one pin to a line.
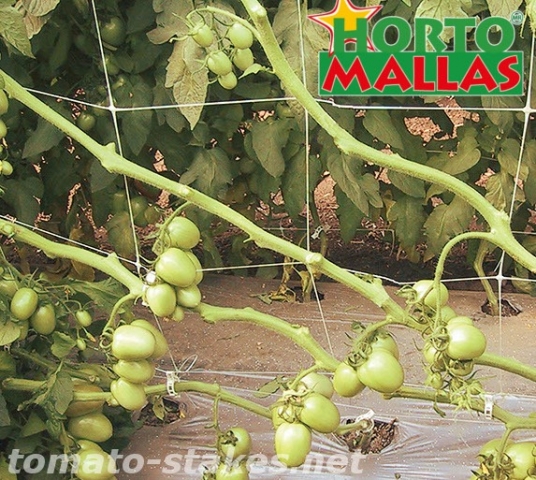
pixel 84 444
pixel 381 372
pixel 131 342
pixel 243 58
pixel 24 303
pixel 189 297
pixel 228 81
pixel 43 320
pixel 81 344
pixel 138 205
pixel 152 214
pixel 161 345
pixel 202 34
pixel 140 371
pixel 178 314
pixel 93 426
pixel 430 299
pixel 111 64
pixel 447 313
pixel 319 413
pixel 283 414
pixel 79 408
pixel 466 342
pixel 491 447
pixel 386 341
pixel 3 129
pixel 318 383
pixel 119 202
pixel 182 233
pixel 240 36
pixel 8 286
pixel 435 380
pixel 346 381
pixel 83 318
pixel 175 267
pixel 218 63
pixel 522 456
pixel 292 443
pixel 114 31
pixel 235 443
pixel 95 464
pixel 460 319
pixel 198 267
pixel 460 368
pixel 8 366
pixel 130 396
pixel 233 472
pixel 7 168
pixel 161 299
pixel 86 121
pixel 4 102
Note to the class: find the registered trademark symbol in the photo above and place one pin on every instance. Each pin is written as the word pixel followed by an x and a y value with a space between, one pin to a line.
pixel 516 18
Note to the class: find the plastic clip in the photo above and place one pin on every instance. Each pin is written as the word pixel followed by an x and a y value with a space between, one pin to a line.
pixel 317 232
pixel 171 378
pixel 488 406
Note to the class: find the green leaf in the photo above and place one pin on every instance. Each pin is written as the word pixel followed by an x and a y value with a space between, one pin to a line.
pixel 267 258
pixel 293 184
pixel 33 425
pixel 508 157
pixel 42 139
pixel 188 77
pixel 62 344
pixel 268 139
pixel 13 30
pixel 499 190
pixel 9 332
pixel 169 20
pixel 503 8
pixel 22 195
pixel 100 178
pixel 350 217
pixel 5 421
pixel 445 222
pixel 496 110
pixel 210 171
pixel 380 125
pixel 361 189
pixel 120 234
pixel 407 216
pixel 440 10
pixel 104 294
pixel 61 392
pixel 529 160
pixel 40 7
pixel 407 184
pixel 466 156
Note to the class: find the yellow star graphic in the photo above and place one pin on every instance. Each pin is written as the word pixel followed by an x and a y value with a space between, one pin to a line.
pixel 346 10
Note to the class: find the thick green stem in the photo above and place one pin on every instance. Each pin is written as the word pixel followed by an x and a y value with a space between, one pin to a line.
pixel 499 222
pixel 109 264
pixel 298 334
pixel 508 365
pixel 478 265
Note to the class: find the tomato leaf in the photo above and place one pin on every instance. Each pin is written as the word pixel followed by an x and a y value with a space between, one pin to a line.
pixel 508 157
pixel 188 78
pixel 136 125
pixel 120 234
pixel 210 171
pixel 529 159
pixel 42 139
pixel 350 217
pixel 169 20
pixel 267 257
pixel 62 344
pixel 439 9
pixel 499 190
pixel 9 332
pixel 497 109
pixel 268 139
pixel 60 392
pixel 407 217
pixel 13 30
pixel 5 421
pixel 503 8
pixel 104 294
pixel 380 125
pixel 21 195
pixel 33 425
pixel 405 183
pixel 445 222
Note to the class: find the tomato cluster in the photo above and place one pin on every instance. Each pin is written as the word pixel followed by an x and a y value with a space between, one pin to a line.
pixel 5 167
pixel 221 61
pixel 517 461
pixel 234 447
pixel 135 346
pixel 143 213
pixel 301 411
pixel 178 271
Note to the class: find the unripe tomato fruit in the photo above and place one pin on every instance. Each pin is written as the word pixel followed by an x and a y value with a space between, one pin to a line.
pixel 218 63
pixel 235 443
pixel 318 383
pixel 430 299
pixel 228 81
pixel 182 233
pixel 292 443
pixel 492 447
pixel 93 426
pixel 24 303
pixel 233 472
pixel 387 342
pixel 202 34
pixel 119 202
pixel 138 205
pixel 189 297
pixel 95 465
pixel 522 456
pixel 240 36
pixel 243 58
pixel 178 314
pixel 161 299
pixel 83 318
pixel 161 345
pixel 130 396
pixel 85 121
pixel 3 129
pixel 381 372
pixel 4 102
pixel 460 320
pixel 198 267
pixel 7 168
pixel 78 408
pixel 8 286
pixel 140 371
pixel 114 31
pixel 131 342
pixel 466 342
pixel 346 381
pixel 319 413
pixel 175 267
pixel 88 444
pixel 43 320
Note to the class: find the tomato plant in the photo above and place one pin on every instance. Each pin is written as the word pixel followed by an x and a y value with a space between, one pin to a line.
pixel 86 121
pixel 243 59
pixel 218 62
pixel 189 297
pixel 161 345
pixel 522 456
pixel 95 464
pixel 182 233
pixel 228 81
pixel 83 318
pixel 6 168
pixel 3 129
pixel 429 295
pixel 4 102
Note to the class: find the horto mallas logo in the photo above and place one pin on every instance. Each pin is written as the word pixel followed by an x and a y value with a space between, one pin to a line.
pixel 394 58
